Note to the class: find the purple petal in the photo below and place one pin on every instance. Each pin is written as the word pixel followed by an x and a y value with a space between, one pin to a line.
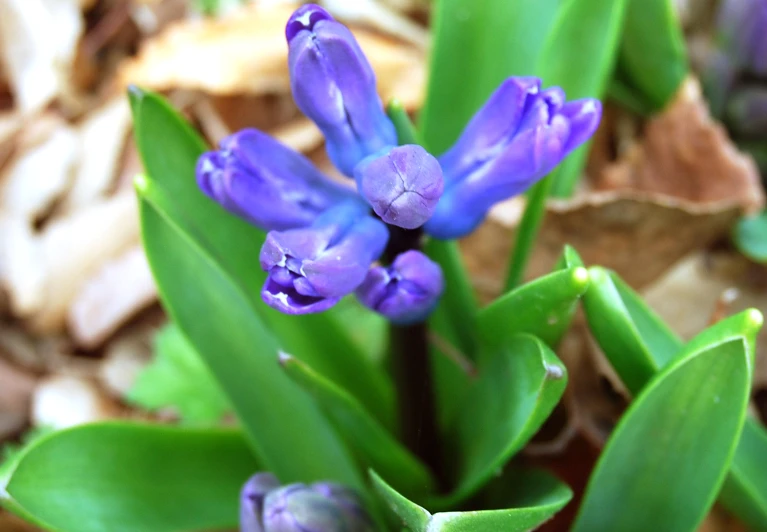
pixel 298 508
pixel 583 116
pixel 403 185
pixel 304 19
pixel 252 500
pixel 406 291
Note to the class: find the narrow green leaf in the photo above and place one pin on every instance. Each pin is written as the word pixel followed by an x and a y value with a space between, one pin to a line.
pixel 406 132
pixel 583 70
pixel 536 507
pixel 483 42
pixel 517 389
pixel 169 149
pixel 374 446
pixel 750 235
pixel 668 456
pixel 221 323
pixel 543 307
pixel 127 477
pixel 657 65
pixel 178 378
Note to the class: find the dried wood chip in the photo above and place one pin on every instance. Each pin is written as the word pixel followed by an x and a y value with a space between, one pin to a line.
pixel 124 359
pixel 686 154
pixel 118 291
pixel 102 139
pixel 38 40
pixel 246 53
pixel 38 176
pixel 62 401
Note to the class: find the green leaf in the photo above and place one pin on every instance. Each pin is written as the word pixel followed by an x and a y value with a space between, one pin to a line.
pixel 238 350
pixel 656 66
pixel 750 235
pixel 170 148
pixel 178 378
pixel 516 391
pixel 127 477
pixel 637 342
pixel 374 446
pixel 543 307
pixel 667 458
pixel 583 70
pixel 484 42
pixel 634 339
pixel 745 491
pixel 537 506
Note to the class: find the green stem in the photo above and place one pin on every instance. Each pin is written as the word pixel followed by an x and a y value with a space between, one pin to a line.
pixel 527 232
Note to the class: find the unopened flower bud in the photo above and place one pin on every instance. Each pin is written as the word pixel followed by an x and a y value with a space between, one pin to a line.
pixel 334 85
pixel 260 179
pixel 402 184
pixel 406 291
pixel 252 500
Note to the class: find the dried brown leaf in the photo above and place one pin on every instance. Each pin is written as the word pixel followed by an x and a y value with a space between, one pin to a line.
pixel 686 154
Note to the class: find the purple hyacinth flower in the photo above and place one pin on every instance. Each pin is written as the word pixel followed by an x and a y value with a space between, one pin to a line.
pixel 252 500
pixel 260 179
pixel 406 291
pixel 316 508
pixel 516 138
pixel 312 268
pixel 402 184
pixel 334 85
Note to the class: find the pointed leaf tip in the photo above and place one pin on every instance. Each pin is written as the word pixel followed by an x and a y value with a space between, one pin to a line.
pixel 141 183
pixel 581 275
pixel 283 358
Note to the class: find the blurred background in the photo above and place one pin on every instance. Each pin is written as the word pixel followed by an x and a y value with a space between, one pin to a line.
pixel 82 337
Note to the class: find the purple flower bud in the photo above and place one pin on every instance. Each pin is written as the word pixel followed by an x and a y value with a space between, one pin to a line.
pixel 402 184
pixel 747 111
pixel 519 135
pixel 312 268
pixel 317 508
pixel 405 292
pixel 252 500
pixel 260 179
pixel 334 85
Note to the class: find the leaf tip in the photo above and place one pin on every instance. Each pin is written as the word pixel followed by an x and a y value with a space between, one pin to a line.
pixel 283 358
pixel 580 275
pixel 754 318
pixel 141 183
pixel 395 106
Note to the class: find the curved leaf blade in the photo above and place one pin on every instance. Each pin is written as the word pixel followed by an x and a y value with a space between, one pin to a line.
pixel 374 446
pixel 668 456
pixel 543 307
pixel 750 236
pixel 516 391
pixel 124 477
pixel 745 491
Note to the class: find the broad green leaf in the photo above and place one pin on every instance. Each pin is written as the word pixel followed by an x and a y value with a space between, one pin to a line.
pixel 178 378
pixel 516 391
pixel 666 460
pixel 220 321
pixel 656 66
pixel 745 491
pixel 127 477
pixel 373 445
pixel 582 70
pixel 10 456
pixel 169 149
pixel 543 307
pixel 750 237
pixel 636 341
pixel 535 507
pixel 481 42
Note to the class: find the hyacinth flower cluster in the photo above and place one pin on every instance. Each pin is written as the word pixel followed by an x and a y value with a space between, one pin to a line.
pixel 328 239
pixel 266 506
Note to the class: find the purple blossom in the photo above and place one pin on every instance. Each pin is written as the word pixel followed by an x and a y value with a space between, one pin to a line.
pixel 335 86
pixel 406 291
pixel 516 138
pixel 320 507
pixel 311 269
pixel 742 32
pixel 402 184
pixel 260 179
